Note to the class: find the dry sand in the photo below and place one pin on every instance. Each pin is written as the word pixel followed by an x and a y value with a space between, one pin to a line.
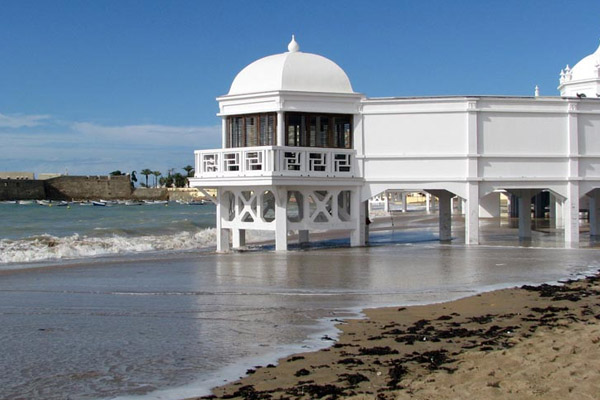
pixel 522 343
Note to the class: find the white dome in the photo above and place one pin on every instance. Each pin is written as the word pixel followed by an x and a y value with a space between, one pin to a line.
pixel 293 70
pixel 587 68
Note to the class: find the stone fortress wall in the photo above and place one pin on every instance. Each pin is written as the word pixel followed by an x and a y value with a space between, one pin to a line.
pixel 88 188
pixel 22 189
pixel 77 188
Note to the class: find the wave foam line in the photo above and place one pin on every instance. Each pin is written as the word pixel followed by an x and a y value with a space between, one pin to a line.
pixel 47 247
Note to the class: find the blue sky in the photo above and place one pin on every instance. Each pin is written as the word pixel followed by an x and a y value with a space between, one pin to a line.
pixel 93 86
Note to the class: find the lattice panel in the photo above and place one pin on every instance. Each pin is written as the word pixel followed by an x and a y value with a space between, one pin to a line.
pixel 317 162
pixel 231 161
pixel 342 163
pixel 210 162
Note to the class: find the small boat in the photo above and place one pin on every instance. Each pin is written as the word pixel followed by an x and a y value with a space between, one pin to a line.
pixel 155 202
pixel 45 203
pixel 99 203
pixel 62 204
pixel 133 203
pixel 196 203
pixel 25 202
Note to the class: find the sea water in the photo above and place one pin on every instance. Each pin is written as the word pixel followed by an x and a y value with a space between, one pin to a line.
pixel 39 233
pixel 171 324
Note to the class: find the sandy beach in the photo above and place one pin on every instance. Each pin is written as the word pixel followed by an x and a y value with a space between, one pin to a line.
pixel 524 343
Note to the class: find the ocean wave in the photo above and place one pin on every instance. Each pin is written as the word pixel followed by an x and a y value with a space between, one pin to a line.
pixel 47 247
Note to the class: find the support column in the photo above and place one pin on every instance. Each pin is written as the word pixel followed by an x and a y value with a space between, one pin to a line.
pixel 404 204
pixel 238 238
pixel 445 213
pixel 427 202
pixel 571 204
pixel 303 237
pixel 222 233
pixel 552 210
pixel 524 202
pixel 280 219
pixel 556 213
pixel 513 206
pixel 386 202
pixel 366 207
pixel 594 211
pixel 357 215
pixel 280 129
pixel 472 214
pixel 559 207
pixel 571 215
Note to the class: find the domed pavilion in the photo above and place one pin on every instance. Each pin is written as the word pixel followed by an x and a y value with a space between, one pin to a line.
pixel 302 151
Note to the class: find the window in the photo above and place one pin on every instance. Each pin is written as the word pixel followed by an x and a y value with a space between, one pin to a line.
pixel 251 130
pixel 318 130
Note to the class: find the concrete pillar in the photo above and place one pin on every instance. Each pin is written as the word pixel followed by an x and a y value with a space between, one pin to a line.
pixel 281 220
pixel 386 202
pixel 594 212
pixel 280 129
pixel 222 233
pixel 445 213
pixel 404 203
pixel 357 215
pixel 524 201
pixel 472 214
pixel 238 238
pixel 556 212
pixel 571 215
pixel 552 210
pixel 513 206
pixel 559 206
pixel 427 202
pixel 303 238
pixel 367 220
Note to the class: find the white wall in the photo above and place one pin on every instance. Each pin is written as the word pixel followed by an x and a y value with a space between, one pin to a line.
pixel 521 133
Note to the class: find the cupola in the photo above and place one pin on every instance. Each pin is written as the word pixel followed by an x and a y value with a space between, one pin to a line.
pixel 291 71
pixel 583 80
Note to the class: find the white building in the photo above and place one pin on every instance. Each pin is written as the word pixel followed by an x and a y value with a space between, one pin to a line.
pixel 302 151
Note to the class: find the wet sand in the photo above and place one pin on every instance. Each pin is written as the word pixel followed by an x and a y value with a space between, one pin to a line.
pixel 524 343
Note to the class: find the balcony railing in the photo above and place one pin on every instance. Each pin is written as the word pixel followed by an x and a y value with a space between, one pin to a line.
pixel 275 161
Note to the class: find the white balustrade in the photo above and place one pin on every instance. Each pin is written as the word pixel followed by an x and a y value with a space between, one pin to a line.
pixel 275 160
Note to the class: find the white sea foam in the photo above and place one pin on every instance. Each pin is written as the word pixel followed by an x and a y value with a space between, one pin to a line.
pixel 48 247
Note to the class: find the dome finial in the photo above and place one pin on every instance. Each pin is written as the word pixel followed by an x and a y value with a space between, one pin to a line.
pixel 293 46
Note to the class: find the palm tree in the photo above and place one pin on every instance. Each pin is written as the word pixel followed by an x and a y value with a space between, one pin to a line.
pixel 156 175
pixel 132 179
pixel 189 169
pixel 190 172
pixel 146 172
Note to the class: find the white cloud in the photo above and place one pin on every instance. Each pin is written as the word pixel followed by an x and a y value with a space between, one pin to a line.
pixel 159 134
pixel 89 149
pixel 22 121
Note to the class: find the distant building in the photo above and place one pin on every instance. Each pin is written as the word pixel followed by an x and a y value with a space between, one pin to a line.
pixel 17 175
pixel 302 151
